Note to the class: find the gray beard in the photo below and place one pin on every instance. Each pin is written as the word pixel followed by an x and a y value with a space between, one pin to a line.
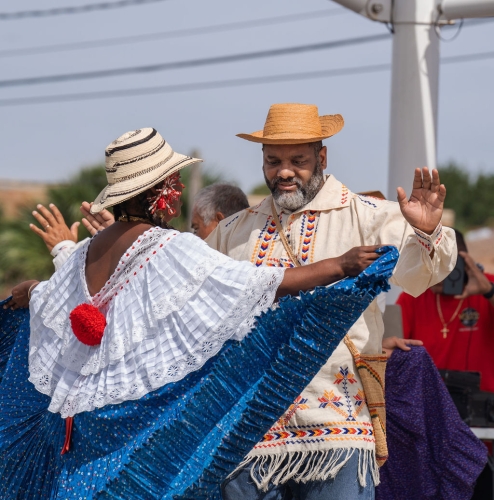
pixel 302 196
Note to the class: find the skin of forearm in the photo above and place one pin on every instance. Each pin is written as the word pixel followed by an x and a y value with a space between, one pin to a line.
pixel 486 289
pixel 485 286
pixel 301 279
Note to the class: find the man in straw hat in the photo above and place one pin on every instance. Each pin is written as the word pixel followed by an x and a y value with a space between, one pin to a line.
pixel 324 446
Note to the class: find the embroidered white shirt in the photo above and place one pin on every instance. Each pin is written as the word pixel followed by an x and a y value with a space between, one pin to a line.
pixel 331 413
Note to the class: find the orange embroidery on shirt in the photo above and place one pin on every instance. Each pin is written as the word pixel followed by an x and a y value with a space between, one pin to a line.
pixel 344 194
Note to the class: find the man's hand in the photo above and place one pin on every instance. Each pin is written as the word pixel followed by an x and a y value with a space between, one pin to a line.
pixel 95 222
pixel 391 343
pixel 20 295
pixel 54 227
pixel 357 259
pixel 424 209
pixel 478 284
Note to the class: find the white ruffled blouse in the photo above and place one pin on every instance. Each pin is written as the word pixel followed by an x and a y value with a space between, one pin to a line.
pixel 169 307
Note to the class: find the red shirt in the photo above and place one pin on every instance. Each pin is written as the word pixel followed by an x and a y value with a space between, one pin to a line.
pixel 469 344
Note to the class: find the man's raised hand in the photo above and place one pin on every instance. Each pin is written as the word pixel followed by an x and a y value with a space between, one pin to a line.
pixel 424 209
pixel 95 222
pixel 54 229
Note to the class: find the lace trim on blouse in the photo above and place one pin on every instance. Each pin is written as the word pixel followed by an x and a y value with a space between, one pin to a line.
pixel 170 307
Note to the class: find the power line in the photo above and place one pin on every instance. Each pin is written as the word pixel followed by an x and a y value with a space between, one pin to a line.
pixel 80 9
pixel 467 57
pixel 187 87
pixel 201 30
pixel 471 22
pixel 191 63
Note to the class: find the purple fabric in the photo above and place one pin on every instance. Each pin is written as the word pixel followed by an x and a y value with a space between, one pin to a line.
pixel 432 452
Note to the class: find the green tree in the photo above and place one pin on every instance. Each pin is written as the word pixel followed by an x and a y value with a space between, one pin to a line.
pixel 482 202
pixel 458 192
pixel 84 186
pixel 261 190
pixel 471 199
pixel 24 255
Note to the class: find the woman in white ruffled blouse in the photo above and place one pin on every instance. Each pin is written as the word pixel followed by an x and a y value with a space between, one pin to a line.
pixel 141 305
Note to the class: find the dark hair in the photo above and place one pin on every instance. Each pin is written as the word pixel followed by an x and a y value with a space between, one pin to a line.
pixel 460 241
pixel 317 147
pixel 224 198
pixel 139 206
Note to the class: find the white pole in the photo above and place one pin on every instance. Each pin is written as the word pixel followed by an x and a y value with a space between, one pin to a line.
pixel 194 184
pixel 358 6
pixel 377 10
pixel 457 9
pixel 414 92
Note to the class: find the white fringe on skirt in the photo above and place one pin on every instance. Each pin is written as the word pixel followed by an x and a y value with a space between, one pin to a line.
pixel 305 466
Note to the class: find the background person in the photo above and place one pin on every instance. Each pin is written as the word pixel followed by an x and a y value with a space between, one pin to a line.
pixel 457 331
pixel 214 203
pixel 427 438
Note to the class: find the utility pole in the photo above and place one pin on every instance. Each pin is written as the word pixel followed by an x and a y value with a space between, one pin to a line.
pixel 194 184
pixel 415 75
pixel 414 92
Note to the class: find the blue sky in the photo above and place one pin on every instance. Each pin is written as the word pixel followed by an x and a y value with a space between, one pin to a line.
pixel 49 142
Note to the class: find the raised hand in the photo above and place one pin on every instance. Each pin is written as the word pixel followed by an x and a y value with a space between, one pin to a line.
pixel 54 227
pixel 424 208
pixel 95 222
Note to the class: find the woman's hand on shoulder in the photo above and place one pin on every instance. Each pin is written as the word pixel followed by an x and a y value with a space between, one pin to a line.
pixel 21 294
pixel 95 222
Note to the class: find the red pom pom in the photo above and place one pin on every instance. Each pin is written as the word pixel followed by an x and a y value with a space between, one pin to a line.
pixel 88 324
pixel 161 203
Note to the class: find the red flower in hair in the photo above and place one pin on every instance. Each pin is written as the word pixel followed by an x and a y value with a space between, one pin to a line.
pixel 167 195
pixel 88 324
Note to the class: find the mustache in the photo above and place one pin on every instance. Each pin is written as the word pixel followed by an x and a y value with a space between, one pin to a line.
pixel 279 180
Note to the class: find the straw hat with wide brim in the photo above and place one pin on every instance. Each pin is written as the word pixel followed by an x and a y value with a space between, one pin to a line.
pixel 135 162
pixel 295 124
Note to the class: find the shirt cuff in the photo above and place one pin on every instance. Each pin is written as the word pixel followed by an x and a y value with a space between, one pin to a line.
pixel 429 241
pixel 69 244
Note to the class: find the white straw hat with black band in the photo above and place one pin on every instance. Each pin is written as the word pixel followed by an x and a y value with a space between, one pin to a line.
pixel 135 162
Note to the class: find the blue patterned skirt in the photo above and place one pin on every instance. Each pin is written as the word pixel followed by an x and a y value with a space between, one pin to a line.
pixel 182 440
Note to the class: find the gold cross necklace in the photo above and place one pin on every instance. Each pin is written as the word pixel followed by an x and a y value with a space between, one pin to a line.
pixel 445 329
